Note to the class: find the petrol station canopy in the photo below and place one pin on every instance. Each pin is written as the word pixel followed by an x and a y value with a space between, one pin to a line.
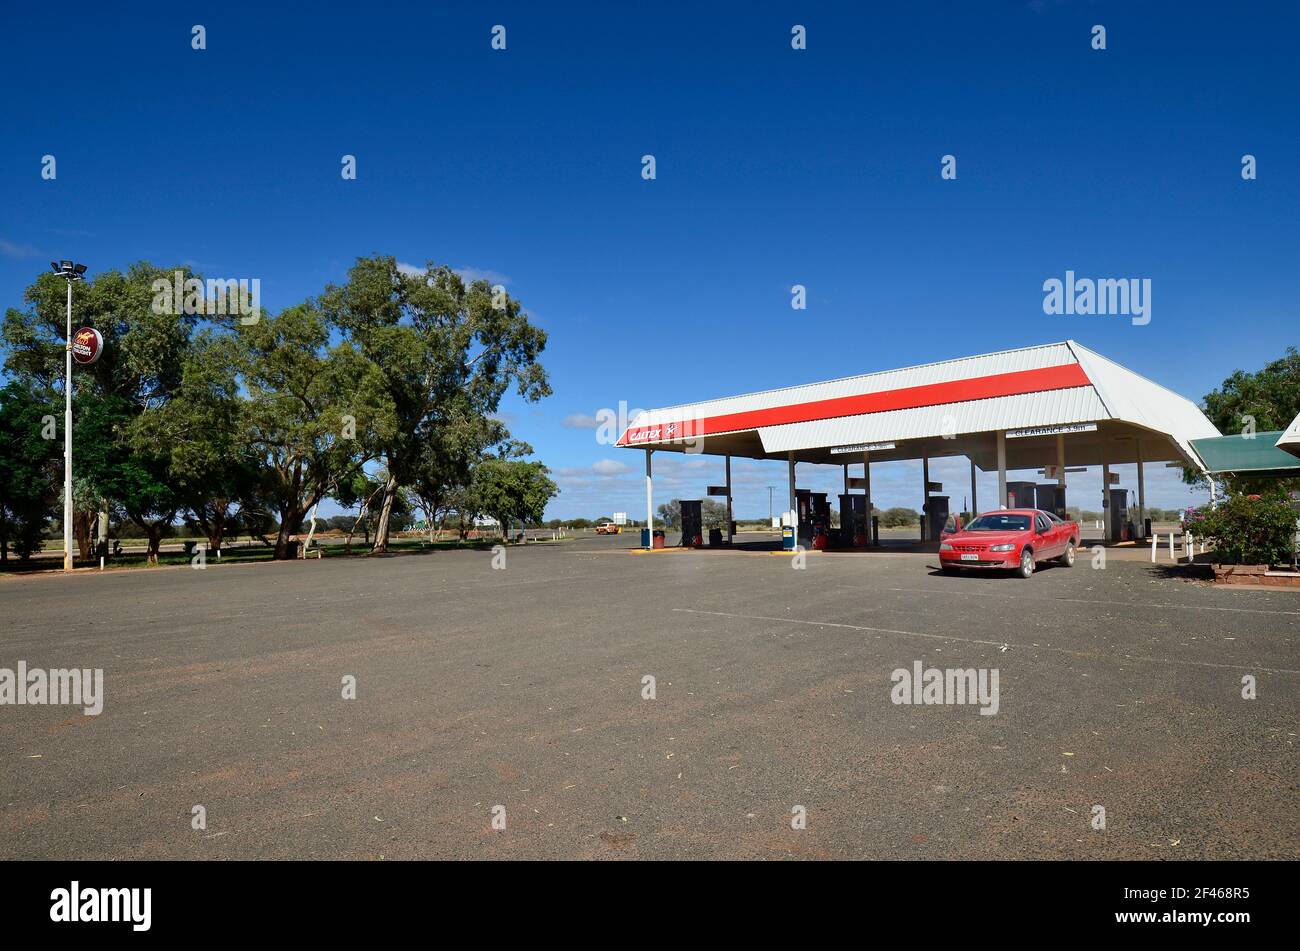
pixel 1259 455
pixel 1038 397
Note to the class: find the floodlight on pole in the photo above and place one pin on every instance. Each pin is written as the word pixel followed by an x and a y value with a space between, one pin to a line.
pixel 71 272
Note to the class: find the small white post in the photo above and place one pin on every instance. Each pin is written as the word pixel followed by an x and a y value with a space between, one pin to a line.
pixel 1155 537
pixel 1172 556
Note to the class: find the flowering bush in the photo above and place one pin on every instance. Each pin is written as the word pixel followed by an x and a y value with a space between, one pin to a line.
pixel 1247 530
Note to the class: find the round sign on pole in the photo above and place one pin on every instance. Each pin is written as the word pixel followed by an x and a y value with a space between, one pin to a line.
pixel 87 346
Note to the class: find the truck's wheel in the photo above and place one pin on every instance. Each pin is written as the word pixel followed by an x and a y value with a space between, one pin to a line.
pixel 1026 563
pixel 1068 558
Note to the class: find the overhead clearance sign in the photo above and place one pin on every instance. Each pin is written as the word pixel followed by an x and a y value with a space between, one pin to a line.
pixel 861 447
pixel 1052 430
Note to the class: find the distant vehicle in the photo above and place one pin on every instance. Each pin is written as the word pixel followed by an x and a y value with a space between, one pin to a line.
pixel 1012 539
pixel 608 528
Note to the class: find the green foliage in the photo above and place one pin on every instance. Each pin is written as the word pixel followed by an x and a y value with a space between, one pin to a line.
pixel 1247 530
pixel 669 514
pixel 313 414
pixel 899 517
pixel 446 353
pixel 1271 397
pixel 28 466
pixel 714 514
pixel 510 490
pixel 245 427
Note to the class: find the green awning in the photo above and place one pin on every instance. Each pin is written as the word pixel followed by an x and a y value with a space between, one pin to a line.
pixel 1258 455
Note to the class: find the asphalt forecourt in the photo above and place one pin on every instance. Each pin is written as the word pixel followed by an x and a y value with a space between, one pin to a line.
pixel 581 702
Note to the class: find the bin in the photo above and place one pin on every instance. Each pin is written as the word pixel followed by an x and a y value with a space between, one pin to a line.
pixel 715 537
pixel 658 538
pixel 787 538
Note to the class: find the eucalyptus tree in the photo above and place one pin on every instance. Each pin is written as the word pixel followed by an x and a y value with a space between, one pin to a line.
pixel 29 467
pixel 445 351
pixel 139 372
pixel 512 490
pixel 213 468
pixel 314 414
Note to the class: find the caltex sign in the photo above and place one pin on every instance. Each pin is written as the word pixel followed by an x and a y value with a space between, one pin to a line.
pixel 87 345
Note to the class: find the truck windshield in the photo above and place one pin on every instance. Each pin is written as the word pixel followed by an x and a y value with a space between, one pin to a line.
pixel 999 523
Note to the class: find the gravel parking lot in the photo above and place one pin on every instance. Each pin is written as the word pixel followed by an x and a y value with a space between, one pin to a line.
pixel 523 688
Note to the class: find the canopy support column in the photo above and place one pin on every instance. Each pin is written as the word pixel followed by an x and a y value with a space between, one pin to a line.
pixel 649 502
pixel 1105 494
pixel 925 496
pixel 729 500
pixel 1142 496
pixel 866 483
pixel 974 501
pixel 1002 468
pixel 793 519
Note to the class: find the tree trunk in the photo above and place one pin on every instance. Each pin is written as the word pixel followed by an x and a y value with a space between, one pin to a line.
pixel 81 532
pixel 155 541
pixel 290 522
pixel 215 529
pixel 381 530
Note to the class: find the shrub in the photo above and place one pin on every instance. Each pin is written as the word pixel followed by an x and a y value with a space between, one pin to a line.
pixel 899 517
pixel 1247 530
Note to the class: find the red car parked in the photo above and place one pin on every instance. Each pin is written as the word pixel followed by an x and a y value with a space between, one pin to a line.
pixel 1015 539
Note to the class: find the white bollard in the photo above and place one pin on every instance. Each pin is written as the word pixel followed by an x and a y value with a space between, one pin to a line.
pixel 1190 546
pixel 1172 556
pixel 1155 537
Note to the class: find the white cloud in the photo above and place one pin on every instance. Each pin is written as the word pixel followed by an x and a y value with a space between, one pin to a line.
pixel 467 274
pixel 580 421
pixel 11 250
pixel 609 467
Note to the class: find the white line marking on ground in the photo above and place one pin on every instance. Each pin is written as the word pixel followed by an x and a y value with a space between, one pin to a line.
pixel 1127 604
pixel 973 640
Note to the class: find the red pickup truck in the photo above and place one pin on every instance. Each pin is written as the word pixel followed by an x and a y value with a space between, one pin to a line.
pixel 1015 539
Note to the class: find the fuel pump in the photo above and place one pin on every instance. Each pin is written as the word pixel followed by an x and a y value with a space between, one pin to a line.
pixel 1051 498
pixel 936 513
pixel 803 516
pixel 1022 495
pixel 853 520
pixel 814 518
pixel 1117 512
pixel 692 523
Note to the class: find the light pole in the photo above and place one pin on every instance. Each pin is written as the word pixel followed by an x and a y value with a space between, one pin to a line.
pixel 71 273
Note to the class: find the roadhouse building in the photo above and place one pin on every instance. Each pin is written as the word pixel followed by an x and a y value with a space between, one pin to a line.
pixel 1052 407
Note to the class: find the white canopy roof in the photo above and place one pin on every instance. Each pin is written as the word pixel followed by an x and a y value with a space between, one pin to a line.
pixel 953 407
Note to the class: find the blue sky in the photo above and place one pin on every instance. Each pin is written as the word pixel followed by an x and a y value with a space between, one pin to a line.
pixel 774 167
